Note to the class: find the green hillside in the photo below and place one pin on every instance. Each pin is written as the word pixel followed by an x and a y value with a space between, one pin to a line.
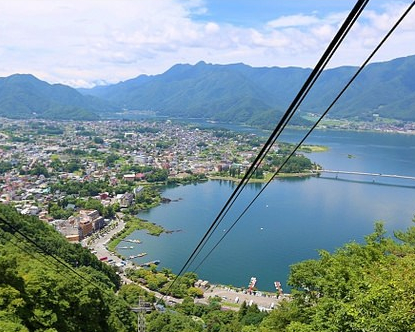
pixel 240 93
pixel 228 93
pixel 25 97
pixel 39 294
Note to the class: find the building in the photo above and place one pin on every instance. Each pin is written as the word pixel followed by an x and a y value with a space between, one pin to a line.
pixel 126 200
pixel 77 228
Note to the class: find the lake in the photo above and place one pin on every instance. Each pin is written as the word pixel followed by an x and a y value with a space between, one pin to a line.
pixel 293 218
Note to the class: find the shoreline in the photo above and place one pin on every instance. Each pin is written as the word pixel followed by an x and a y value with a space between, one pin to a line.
pixel 231 296
pixel 280 176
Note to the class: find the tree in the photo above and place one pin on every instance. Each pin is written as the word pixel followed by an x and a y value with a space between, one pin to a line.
pixel 98 140
pixel 94 204
pixel 39 169
pixel 195 292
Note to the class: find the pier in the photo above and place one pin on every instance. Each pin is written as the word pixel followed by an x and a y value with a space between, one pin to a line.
pixel 366 174
pixel 131 241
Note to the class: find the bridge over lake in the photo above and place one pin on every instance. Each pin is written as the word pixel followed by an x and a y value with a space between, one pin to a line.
pixel 395 176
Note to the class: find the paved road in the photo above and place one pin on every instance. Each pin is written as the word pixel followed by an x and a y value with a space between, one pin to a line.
pixel 99 245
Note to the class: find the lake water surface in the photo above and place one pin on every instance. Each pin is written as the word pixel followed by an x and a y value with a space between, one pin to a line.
pixel 293 218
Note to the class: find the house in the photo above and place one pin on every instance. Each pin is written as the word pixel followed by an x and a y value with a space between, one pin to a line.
pixel 126 200
pixel 103 195
pixel 140 176
pixel 138 190
pixel 129 177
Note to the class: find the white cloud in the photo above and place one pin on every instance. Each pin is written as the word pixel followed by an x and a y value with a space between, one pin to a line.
pixel 293 21
pixel 81 42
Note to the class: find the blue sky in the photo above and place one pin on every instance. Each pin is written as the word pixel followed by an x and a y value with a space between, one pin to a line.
pixel 83 43
pixel 255 13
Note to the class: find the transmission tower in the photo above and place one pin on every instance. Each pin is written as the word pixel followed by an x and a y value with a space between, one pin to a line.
pixel 141 309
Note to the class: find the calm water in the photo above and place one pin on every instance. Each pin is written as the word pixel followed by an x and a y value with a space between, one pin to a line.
pixel 292 219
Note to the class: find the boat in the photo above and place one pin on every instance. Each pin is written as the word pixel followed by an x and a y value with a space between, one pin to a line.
pixel 252 284
pixel 278 287
pixel 131 240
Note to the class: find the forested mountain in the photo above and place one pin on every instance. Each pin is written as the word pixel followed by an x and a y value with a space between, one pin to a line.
pixel 228 93
pixel 241 93
pixel 39 294
pixel 24 96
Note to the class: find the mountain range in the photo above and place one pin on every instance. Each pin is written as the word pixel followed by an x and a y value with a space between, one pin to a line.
pixel 23 96
pixel 228 93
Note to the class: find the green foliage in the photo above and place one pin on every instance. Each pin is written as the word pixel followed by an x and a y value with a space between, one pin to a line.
pixel 39 169
pixel 296 164
pixel 53 242
pixel 111 159
pixel 252 316
pixel 57 212
pixel 84 189
pixel 131 294
pixel 5 166
pixel 133 224
pixel 98 140
pixel 38 294
pixel 157 175
pixel 171 322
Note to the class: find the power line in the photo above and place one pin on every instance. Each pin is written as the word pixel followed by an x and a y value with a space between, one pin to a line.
pixel 311 129
pixel 336 41
pixel 31 253
pixel 288 115
pixel 57 259
pixel 350 20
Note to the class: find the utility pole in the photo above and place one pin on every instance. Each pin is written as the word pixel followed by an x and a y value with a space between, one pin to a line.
pixel 141 310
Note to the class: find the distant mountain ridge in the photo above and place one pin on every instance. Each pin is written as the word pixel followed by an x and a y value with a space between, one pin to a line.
pixel 24 96
pixel 230 93
pixel 240 93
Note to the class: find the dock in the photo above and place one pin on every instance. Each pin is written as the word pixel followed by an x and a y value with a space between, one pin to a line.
pixel 137 256
pixel 131 241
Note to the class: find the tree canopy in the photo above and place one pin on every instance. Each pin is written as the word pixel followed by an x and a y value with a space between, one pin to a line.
pixel 37 293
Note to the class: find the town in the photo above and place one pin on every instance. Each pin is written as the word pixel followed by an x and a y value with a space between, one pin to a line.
pixel 77 175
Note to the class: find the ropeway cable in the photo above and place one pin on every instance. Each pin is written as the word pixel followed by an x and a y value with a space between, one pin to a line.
pixel 286 118
pixel 32 254
pixel 344 29
pixel 44 251
pixel 311 129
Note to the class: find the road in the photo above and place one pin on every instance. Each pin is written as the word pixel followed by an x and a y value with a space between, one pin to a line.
pixel 99 245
